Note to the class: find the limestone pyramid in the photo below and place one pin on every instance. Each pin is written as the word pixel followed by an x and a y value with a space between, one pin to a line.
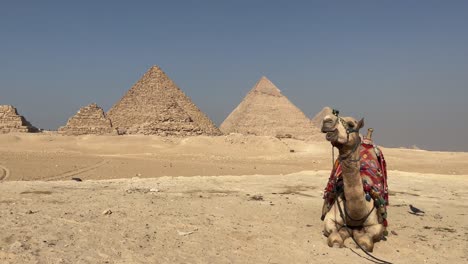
pixel 317 120
pixel 88 120
pixel 11 121
pixel 156 106
pixel 266 112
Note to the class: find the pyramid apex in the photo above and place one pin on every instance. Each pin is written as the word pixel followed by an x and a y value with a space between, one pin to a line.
pixel 155 68
pixel 317 119
pixel 264 85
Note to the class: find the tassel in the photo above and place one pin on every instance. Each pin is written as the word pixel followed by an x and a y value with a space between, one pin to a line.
pixel 368 197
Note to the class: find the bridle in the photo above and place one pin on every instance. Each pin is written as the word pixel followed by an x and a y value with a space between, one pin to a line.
pixel 349 130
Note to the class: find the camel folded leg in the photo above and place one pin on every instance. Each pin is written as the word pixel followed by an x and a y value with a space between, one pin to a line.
pixel 333 228
pixel 366 236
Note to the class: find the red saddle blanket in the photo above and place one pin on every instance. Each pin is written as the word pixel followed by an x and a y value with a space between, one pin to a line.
pixel 373 173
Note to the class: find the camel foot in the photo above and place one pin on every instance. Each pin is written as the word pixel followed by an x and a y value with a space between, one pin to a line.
pixel 366 244
pixel 364 240
pixel 337 245
pixel 335 240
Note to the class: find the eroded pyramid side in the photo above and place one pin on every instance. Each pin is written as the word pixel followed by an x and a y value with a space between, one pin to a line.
pixel 89 120
pixel 11 121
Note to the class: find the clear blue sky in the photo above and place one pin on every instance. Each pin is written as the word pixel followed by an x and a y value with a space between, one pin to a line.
pixel 403 65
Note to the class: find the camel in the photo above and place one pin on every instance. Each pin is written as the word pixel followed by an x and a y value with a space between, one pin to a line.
pixel 350 214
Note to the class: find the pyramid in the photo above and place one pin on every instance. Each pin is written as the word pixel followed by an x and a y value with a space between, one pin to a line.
pixel 266 112
pixel 11 121
pixel 156 106
pixel 317 120
pixel 88 120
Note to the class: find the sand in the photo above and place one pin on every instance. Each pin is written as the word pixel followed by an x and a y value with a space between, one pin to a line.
pixel 189 200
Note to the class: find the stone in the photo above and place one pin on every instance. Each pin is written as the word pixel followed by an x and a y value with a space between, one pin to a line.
pixel 11 121
pixel 265 111
pixel 107 212
pixel 90 119
pixel 156 106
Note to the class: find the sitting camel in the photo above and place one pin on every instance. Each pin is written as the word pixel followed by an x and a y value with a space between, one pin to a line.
pixel 356 195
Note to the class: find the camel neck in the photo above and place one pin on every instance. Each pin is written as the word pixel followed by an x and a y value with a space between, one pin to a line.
pixel 353 188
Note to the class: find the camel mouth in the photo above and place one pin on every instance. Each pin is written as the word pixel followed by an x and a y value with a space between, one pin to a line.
pixel 332 135
pixel 328 129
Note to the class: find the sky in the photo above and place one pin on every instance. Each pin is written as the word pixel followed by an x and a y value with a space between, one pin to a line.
pixel 402 65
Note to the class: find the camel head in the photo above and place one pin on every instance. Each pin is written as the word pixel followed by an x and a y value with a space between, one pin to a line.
pixel 342 132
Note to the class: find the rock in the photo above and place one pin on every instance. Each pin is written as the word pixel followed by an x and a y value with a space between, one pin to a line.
pixel 76 179
pixel 180 233
pixel 154 190
pixel 107 212
pixel 257 197
pixel 11 121
pixel 90 119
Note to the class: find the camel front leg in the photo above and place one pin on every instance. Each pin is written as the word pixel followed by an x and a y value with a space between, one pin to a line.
pixel 333 228
pixel 366 236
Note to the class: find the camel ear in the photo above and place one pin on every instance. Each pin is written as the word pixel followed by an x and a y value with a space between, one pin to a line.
pixel 360 124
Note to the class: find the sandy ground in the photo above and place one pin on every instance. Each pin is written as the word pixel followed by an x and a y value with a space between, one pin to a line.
pixel 158 216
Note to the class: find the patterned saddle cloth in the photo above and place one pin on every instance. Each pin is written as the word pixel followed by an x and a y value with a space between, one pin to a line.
pixel 374 176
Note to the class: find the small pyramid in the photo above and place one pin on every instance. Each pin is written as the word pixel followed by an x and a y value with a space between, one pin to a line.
pixel 266 112
pixel 317 120
pixel 90 119
pixel 11 121
pixel 156 106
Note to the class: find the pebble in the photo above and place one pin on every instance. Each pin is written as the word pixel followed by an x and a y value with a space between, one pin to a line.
pixel 107 212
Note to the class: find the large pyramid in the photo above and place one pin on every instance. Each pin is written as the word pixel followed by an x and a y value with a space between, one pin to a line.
pixel 156 106
pixel 267 112
pixel 90 119
pixel 11 121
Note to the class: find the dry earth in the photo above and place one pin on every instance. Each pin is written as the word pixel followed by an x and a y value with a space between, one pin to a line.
pixel 211 217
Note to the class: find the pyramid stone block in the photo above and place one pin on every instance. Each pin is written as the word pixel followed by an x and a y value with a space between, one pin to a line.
pixel 90 119
pixel 265 111
pixel 156 106
pixel 11 121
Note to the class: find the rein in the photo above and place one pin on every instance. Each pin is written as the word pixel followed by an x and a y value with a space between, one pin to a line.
pixel 345 225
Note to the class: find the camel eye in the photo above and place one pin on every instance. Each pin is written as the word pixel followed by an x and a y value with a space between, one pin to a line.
pixel 351 124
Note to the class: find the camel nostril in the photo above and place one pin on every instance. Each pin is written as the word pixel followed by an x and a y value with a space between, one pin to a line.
pixel 327 121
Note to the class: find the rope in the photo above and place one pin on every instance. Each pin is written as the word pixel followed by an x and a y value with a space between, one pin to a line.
pixel 351 235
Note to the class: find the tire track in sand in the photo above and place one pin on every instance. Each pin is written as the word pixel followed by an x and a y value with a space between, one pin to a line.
pixel 75 172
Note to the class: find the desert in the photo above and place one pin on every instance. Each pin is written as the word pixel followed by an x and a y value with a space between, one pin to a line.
pixel 154 180
pixel 210 199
